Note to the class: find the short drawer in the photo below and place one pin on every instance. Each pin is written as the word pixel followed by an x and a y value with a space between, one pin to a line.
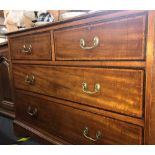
pixel 118 90
pixel 114 39
pixel 74 125
pixel 32 47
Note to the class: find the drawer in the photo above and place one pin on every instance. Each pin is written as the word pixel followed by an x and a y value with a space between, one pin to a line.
pixel 74 125
pixel 118 90
pixel 32 47
pixel 115 39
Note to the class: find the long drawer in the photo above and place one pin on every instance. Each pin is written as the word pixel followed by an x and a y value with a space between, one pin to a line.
pixel 119 90
pixel 35 46
pixel 114 39
pixel 74 125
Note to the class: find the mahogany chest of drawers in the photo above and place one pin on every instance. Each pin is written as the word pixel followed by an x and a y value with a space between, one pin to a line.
pixel 86 80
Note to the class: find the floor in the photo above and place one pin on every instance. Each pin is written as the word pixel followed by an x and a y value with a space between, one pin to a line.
pixel 7 136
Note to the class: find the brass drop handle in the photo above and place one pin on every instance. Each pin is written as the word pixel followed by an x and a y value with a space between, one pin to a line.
pixel 30 79
pixel 31 112
pixel 85 88
pixel 86 132
pixel 96 42
pixel 27 49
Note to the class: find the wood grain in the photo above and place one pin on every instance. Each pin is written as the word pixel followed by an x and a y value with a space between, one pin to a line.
pixel 68 123
pixel 150 83
pixel 41 46
pixel 120 39
pixel 97 111
pixel 107 64
pixel 119 92
pixel 123 64
pixel 85 19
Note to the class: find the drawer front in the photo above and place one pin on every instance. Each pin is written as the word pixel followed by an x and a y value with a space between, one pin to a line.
pixel 119 90
pixel 118 39
pixel 32 47
pixel 74 125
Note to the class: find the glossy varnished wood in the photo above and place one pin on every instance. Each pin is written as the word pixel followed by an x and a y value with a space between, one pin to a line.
pixel 107 64
pixel 150 82
pixel 125 54
pixel 120 39
pixel 102 112
pixel 41 46
pixel 69 123
pixel 85 19
pixel 118 93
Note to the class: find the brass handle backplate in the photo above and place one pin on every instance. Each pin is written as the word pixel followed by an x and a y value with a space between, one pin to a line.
pixel 96 42
pixel 85 88
pixel 86 132
pixel 32 112
pixel 30 79
pixel 27 49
